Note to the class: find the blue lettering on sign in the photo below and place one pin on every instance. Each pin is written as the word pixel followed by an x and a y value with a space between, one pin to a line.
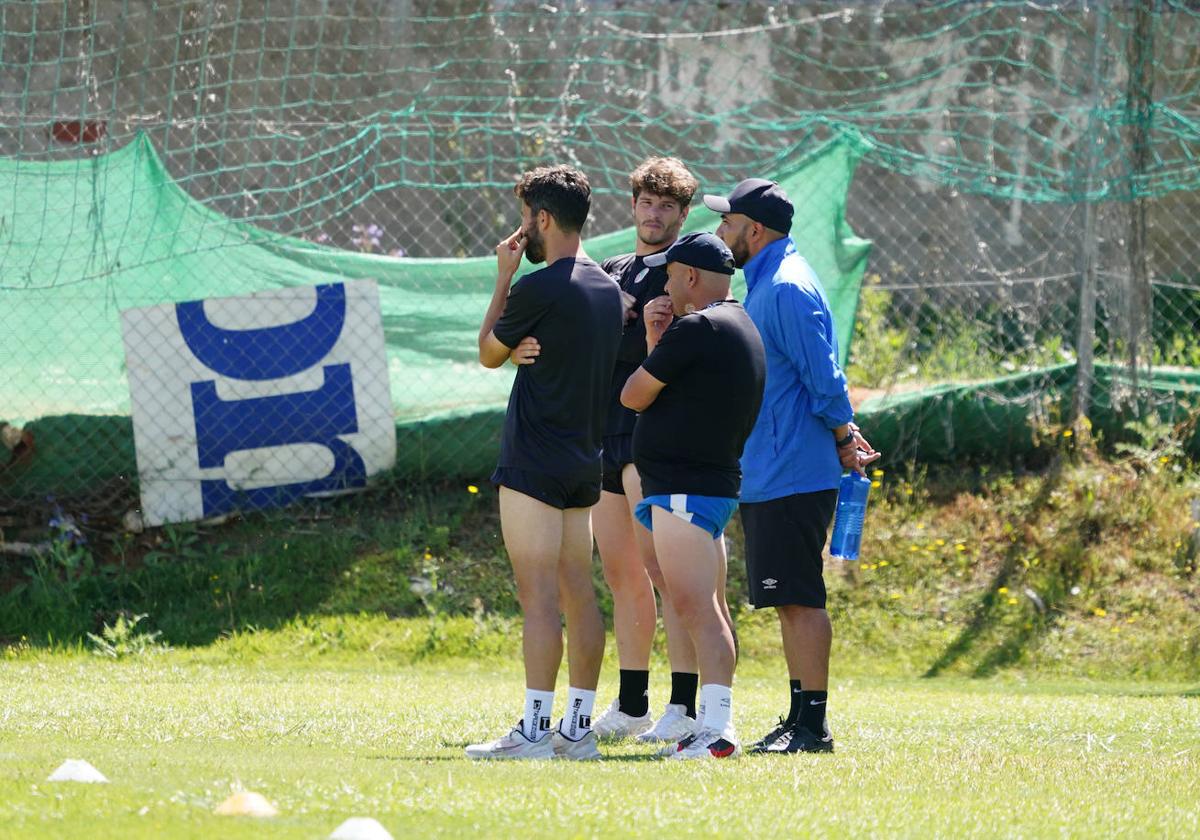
pixel 269 352
pixel 310 417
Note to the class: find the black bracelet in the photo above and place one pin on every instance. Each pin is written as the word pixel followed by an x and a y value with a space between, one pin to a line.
pixel 847 440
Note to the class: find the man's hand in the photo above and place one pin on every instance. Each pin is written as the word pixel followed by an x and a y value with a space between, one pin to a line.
pixel 658 314
pixel 526 352
pixel 629 301
pixel 857 453
pixel 508 256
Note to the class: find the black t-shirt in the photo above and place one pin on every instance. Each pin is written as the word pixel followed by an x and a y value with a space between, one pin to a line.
pixel 645 284
pixel 690 438
pixel 555 415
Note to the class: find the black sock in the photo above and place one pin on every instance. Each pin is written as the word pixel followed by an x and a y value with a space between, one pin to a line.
pixel 794 709
pixel 633 699
pixel 812 711
pixel 683 690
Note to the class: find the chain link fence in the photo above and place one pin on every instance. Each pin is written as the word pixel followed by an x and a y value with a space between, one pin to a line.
pixel 1028 179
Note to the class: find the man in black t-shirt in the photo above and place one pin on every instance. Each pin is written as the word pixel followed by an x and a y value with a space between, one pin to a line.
pixel 662 189
pixel 549 467
pixel 698 392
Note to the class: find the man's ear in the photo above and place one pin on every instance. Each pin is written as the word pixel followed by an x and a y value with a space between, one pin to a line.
pixel 683 216
pixel 543 220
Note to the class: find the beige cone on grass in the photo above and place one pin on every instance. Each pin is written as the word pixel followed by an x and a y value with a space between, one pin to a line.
pixel 246 804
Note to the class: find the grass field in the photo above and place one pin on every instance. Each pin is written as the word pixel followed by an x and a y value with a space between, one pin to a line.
pixel 1016 655
pixel 327 735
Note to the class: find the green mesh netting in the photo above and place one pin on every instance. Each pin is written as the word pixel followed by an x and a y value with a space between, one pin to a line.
pixel 1028 174
pixel 133 238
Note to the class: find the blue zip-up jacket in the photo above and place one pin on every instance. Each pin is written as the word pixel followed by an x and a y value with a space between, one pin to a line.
pixel 791 449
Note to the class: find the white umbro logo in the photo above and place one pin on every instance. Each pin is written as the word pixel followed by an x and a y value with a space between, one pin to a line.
pixel 769 583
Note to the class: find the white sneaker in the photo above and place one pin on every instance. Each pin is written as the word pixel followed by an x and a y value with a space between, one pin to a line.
pixel 709 743
pixel 514 745
pixel 672 727
pixel 583 749
pixel 615 725
pixel 669 750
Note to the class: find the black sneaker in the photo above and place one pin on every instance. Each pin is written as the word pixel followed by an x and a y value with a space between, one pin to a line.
pixel 760 746
pixel 799 738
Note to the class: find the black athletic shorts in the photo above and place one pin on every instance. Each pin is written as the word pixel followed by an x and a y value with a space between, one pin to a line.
pixel 785 539
pixel 557 491
pixel 616 454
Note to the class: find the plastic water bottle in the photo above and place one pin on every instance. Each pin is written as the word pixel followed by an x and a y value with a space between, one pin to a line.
pixel 848 522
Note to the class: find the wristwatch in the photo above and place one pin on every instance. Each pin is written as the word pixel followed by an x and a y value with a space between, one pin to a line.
pixel 847 440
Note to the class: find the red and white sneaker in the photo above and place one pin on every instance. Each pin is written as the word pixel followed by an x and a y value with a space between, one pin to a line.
pixel 709 743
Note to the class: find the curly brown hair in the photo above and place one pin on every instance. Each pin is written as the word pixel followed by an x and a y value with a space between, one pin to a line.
pixel 664 176
pixel 562 191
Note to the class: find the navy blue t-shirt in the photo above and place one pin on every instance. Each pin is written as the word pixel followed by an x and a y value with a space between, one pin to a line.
pixel 556 410
pixel 645 284
pixel 690 439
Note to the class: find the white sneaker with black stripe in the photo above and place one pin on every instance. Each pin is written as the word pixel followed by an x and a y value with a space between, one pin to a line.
pixel 514 745
pixel 581 749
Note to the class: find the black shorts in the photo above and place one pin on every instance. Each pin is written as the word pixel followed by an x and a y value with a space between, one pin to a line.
pixel 557 491
pixel 615 456
pixel 785 539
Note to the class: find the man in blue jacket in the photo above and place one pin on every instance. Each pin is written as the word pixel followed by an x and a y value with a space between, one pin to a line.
pixel 793 460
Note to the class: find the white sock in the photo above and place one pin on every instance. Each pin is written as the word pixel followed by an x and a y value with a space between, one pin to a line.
pixel 538 708
pixel 700 714
pixel 577 720
pixel 718 706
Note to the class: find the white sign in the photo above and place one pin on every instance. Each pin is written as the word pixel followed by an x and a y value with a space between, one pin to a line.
pixel 252 402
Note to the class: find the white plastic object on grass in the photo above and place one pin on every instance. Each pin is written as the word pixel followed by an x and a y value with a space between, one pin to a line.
pixel 360 828
pixel 246 804
pixel 77 770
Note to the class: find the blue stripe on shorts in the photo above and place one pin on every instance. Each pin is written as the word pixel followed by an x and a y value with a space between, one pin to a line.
pixel 711 513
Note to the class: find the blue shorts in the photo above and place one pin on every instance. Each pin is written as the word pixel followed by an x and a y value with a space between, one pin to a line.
pixel 711 513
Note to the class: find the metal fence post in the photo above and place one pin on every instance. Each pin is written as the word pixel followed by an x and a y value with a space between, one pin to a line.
pixel 1085 342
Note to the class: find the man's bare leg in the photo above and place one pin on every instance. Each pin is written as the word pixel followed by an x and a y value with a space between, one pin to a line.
pixel 585 627
pixel 634 611
pixel 533 536
pixel 807 639
pixel 690 563
pixel 680 651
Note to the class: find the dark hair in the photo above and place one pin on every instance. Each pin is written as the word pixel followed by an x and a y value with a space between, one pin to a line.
pixel 561 191
pixel 664 176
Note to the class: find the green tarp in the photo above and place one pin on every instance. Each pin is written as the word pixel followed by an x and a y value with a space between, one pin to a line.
pixel 1006 416
pixel 82 240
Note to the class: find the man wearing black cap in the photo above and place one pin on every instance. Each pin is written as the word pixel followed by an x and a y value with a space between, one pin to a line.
pixel 698 393
pixel 794 457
